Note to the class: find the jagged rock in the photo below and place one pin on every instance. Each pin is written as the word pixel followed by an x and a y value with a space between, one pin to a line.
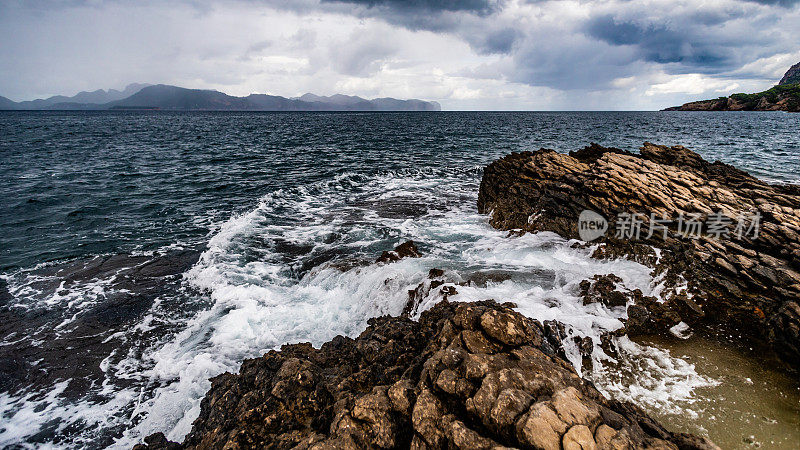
pixel 435 280
pixel 405 250
pixel 784 328
pixel 157 441
pixel 604 289
pixel 406 384
pixel 792 76
pixel 638 320
pixel 646 315
pixel 435 273
pixel 740 283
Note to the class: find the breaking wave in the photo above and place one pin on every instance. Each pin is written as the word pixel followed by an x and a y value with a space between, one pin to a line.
pixel 300 267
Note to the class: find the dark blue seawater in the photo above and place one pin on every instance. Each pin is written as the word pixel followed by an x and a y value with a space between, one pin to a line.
pixel 142 252
pixel 77 184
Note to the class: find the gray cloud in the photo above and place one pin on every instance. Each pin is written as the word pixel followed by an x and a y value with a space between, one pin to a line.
pixel 659 44
pixel 783 3
pixel 427 6
pixel 362 54
pixel 497 41
pixel 585 46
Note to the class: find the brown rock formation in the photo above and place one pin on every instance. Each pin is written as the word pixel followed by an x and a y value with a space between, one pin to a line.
pixel 785 96
pixel 744 102
pixel 748 285
pixel 792 76
pixel 468 376
pixel 405 250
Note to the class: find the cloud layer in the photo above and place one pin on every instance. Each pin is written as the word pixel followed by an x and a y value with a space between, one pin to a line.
pixel 466 54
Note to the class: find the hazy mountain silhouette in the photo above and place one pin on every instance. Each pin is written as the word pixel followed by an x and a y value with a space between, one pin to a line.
pixel 7 103
pixel 85 98
pixel 176 98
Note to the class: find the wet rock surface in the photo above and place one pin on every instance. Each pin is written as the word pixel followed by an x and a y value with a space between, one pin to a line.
pixel 741 284
pixel 405 250
pixel 466 375
pixel 434 284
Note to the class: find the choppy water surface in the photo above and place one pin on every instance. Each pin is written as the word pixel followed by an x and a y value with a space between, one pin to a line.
pixel 142 253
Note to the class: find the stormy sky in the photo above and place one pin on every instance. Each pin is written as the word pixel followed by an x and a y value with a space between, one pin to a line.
pixel 466 54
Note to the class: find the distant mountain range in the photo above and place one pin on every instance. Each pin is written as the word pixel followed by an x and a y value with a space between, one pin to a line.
pixel 173 98
pixel 97 97
pixel 785 96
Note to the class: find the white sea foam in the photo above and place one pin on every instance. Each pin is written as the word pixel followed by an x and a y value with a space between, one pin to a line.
pixel 258 305
pixel 24 415
pixel 650 376
pixel 300 267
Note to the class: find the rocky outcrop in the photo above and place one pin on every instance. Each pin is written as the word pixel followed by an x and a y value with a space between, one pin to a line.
pixel 735 282
pixel 792 76
pixel 783 97
pixel 779 98
pixel 468 376
pixel 405 250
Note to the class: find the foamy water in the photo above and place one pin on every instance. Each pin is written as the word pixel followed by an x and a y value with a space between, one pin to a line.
pixel 257 304
pixel 300 267
pixel 290 213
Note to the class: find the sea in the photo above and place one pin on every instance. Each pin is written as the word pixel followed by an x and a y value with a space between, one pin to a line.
pixel 144 252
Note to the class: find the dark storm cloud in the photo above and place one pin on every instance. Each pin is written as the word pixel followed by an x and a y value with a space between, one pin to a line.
pixel 708 38
pixel 498 41
pixel 783 3
pixel 472 20
pixel 430 15
pixel 659 44
pixel 575 65
pixel 473 6
pixel 700 43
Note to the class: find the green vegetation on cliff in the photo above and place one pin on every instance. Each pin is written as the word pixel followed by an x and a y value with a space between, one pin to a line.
pixel 792 76
pixel 788 92
pixel 785 96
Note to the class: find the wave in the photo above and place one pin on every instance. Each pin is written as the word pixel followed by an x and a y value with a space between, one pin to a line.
pixel 300 267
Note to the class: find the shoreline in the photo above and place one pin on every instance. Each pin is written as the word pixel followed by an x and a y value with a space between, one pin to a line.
pixel 287 249
pixel 656 318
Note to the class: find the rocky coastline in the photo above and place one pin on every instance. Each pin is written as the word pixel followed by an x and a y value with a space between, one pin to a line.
pixel 785 96
pixel 480 375
pixel 748 286
pixel 465 375
pixel 779 98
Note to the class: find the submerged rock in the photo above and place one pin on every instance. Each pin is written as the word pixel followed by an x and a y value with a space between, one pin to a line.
pixel 604 289
pixel 405 250
pixel 41 355
pixel 740 282
pixel 469 375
